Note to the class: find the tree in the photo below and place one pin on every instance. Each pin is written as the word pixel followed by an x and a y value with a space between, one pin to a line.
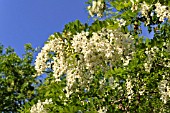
pixel 108 66
pixel 16 80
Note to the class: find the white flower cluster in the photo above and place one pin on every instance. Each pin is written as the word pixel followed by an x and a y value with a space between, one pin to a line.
pixel 150 56
pixel 144 11
pixel 166 61
pixel 129 87
pixel 151 53
pixel 134 5
pixel 121 22
pixel 55 45
pixel 102 110
pixel 161 11
pixel 86 53
pixel 96 8
pixel 164 89
pixel 98 51
pixel 39 107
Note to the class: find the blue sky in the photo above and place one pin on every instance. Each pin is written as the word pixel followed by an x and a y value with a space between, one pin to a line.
pixel 32 21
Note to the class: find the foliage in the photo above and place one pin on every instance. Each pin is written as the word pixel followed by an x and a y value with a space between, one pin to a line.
pixel 16 81
pixel 108 66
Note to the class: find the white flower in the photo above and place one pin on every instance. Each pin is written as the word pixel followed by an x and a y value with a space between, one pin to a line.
pixel 121 22
pixel 39 107
pixel 102 110
pixel 96 8
pixel 129 89
pixel 164 90
pixel 144 11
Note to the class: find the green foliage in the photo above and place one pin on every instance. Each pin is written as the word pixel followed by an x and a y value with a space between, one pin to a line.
pixel 16 81
pixel 74 27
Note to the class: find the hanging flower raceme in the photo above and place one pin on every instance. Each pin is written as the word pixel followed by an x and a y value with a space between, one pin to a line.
pixel 39 107
pixel 129 87
pixel 97 8
pixel 164 89
pixel 55 45
pixel 161 11
pixel 134 5
pixel 84 55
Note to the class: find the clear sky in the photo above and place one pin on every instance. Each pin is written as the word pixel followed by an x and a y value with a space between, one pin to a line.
pixel 32 21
